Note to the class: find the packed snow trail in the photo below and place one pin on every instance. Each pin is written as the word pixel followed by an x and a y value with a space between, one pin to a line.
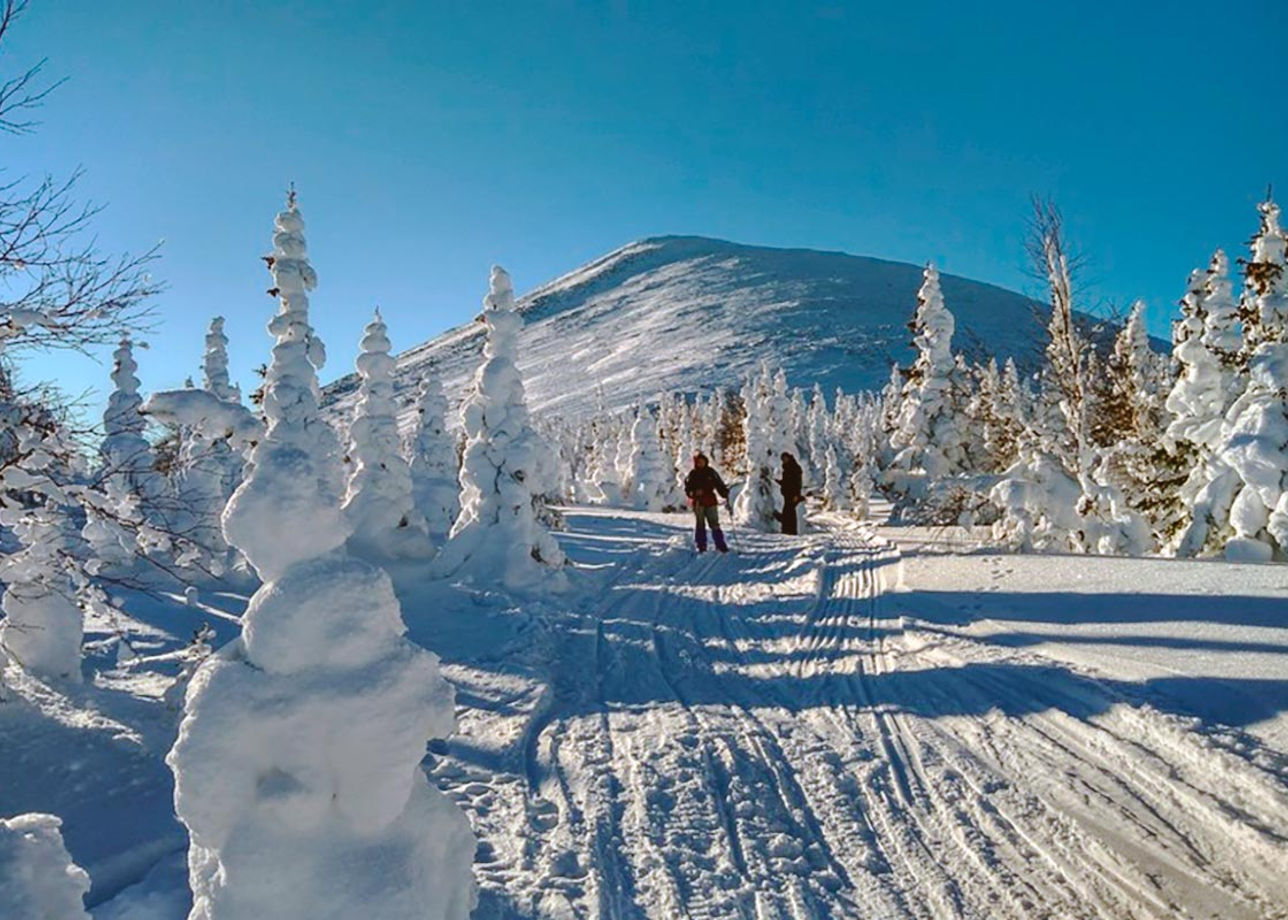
pixel 774 734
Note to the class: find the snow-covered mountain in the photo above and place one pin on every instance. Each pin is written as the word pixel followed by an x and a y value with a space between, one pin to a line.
pixel 691 314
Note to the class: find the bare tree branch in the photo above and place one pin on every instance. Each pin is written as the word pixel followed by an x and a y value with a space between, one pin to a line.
pixel 58 290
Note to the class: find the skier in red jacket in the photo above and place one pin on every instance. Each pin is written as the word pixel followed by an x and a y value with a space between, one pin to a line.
pixel 705 488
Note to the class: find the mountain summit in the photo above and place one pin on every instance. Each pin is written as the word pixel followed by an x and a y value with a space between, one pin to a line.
pixel 689 313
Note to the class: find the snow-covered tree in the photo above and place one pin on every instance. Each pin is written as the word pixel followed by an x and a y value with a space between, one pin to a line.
pixel 685 447
pixel 1254 444
pixel 757 500
pixel 43 579
pixel 379 502
pixel 297 762
pixel 216 382
pixel 213 433
pixel 125 453
pixel 799 445
pixel 1037 502
pixel 1127 427
pixel 1051 497
pixel 215 363
pixel 623 460
pixel 1208 347
pixel 930 429
pixel 817 432
pixel 38 880
pixel 833 480
pixel 994 411
pixel 43 625
pixel 435 466
pixel 654 472
pixel 1263 304
pixel 506 467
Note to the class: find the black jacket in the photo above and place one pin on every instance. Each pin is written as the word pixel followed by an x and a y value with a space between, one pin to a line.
pixel 702 484
pixel 790 484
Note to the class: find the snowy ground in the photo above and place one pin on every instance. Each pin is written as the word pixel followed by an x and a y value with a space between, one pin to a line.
pixel 838 725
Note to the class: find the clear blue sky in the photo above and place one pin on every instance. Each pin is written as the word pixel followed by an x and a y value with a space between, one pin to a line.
pixel 429 140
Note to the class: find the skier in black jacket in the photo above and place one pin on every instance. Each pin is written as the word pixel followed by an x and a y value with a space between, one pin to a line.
pixel 790 487
pixel 702 485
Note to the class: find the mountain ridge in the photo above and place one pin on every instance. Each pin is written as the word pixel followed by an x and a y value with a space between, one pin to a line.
pixel 687 313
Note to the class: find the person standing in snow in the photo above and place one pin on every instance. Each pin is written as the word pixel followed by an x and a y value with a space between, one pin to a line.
pixel 790 487
pixel 705 488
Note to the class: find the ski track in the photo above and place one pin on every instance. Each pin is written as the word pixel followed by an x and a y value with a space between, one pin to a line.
pixel 768 735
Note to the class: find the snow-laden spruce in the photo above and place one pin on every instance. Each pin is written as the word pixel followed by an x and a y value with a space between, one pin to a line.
pixel 1038 502
pixel 506 467
pixel 757 501
pixel 216 382
pixel 43 626
pixel 125 453
pixel 379 502
pixel 623 456
pixel 1128 488
pixel 1208 348
pixel 928 437
pixel 1255 442
pixel 435 465
pixel 653 480
pixel 833 480
pixel 297 766
pixel 38 880
pixel 215 363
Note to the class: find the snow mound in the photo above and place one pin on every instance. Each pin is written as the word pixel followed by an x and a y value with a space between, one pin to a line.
pixel 38 880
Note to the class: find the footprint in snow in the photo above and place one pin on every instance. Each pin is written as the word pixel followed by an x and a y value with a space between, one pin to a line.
pixel 543 815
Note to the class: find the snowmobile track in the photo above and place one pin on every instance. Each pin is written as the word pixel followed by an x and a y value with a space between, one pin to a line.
pixel 772 734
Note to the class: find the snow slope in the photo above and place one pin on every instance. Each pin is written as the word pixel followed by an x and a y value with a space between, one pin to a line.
pixel 689 313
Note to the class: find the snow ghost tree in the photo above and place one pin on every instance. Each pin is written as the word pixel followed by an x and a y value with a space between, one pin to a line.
pixel 37 876
pixel 757 502
pixel 833 481
pixel 126 455
pixel 379 503
pixel 929 436
pixel 505 469
pixel 216 382
pixel 654 473
pixel 297 762
pixel 435 466
pixel 215 363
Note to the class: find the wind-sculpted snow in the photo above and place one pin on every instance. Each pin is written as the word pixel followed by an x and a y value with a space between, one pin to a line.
pixel 690 314
pixel 297 761
pixel 37 877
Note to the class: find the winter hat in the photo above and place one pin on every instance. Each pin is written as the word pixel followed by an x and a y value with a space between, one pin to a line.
pixel 699 455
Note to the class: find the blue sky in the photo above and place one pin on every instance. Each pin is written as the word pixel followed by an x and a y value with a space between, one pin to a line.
pixel 430 140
